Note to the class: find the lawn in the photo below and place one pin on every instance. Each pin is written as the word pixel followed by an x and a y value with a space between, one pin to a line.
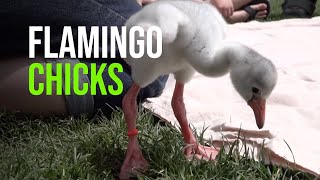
pixel 82 148
pixel 67 148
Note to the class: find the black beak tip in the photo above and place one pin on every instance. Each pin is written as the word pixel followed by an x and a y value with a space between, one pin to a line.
pixel 260 126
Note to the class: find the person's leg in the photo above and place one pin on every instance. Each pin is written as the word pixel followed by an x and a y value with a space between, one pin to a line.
pixel 59 13
pixel 237 4
pixel 124 9
pixel 108 102
pixel 14 89
pixel 15 94
pixel 241 15
pixel 16 79
pixel 17 16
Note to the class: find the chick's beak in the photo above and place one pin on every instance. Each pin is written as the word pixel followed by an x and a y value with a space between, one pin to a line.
pixel 258 106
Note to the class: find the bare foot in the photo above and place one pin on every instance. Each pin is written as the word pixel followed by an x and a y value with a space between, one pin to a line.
pixel 201 152
pixel 242 16
pixel 134 162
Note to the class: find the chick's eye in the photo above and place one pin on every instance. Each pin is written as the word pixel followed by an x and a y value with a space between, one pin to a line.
pixel 255 90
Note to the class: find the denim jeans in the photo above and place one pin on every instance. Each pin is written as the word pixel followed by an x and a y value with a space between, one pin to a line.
pixel 18 15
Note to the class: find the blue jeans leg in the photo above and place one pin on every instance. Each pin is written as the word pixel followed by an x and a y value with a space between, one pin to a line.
pixel 109 102
pixel 18 15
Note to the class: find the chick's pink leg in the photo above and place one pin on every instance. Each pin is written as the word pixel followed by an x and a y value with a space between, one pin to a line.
pixel 134 161
pixel 193 147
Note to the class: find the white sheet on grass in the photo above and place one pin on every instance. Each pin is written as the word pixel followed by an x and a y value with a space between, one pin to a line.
pixel 293 110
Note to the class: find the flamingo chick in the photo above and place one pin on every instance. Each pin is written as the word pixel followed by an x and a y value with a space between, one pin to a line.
pixel 193 40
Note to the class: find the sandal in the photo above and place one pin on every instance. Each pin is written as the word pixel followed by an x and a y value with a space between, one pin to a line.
pixel 252 12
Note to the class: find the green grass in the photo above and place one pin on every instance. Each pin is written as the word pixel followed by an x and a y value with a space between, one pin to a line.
pixel 95 148
pixel 68 148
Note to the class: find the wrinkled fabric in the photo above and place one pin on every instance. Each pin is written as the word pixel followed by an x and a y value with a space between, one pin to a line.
pixel 292 111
